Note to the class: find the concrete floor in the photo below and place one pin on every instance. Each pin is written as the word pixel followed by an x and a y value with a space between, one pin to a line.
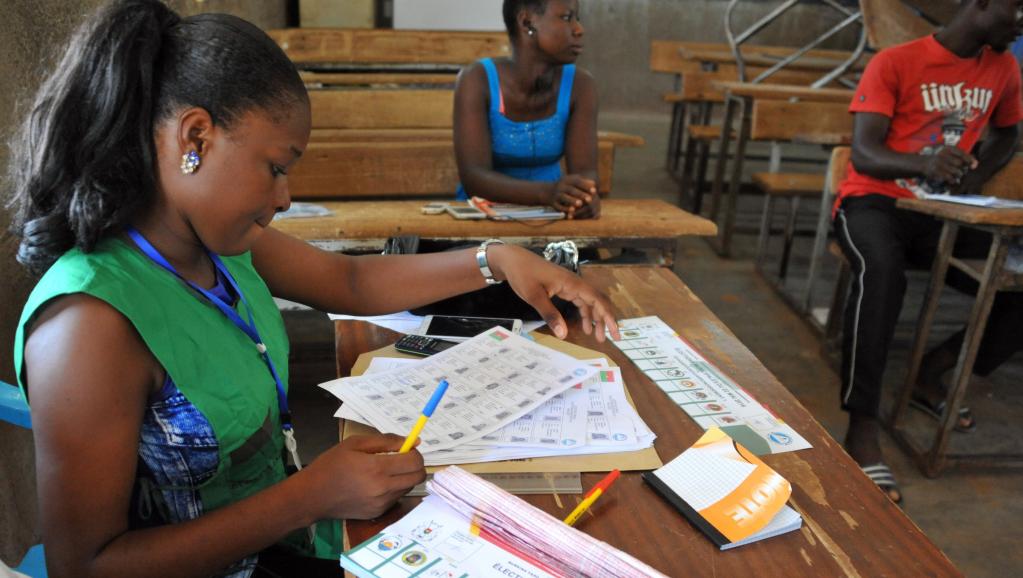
pixel 976 518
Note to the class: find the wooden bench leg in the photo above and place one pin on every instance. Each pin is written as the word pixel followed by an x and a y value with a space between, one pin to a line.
pixel 727 227
pixel 790 234
pixel 765 230
pixel 685 186
pixel 701 176
pixel 675 136
pixel 971 344
pixel 722 162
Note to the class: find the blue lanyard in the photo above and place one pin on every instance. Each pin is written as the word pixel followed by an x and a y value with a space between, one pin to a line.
pixel 248 328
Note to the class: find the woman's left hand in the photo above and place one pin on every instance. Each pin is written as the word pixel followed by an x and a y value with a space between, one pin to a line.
pixel 536 281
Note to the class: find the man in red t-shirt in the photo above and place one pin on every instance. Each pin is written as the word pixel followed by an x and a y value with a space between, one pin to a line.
pixel 920 109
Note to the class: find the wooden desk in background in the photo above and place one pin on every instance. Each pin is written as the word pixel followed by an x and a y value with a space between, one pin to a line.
pixel 849 527
pixel 364 226
pixel 1005 226
pixel 768 112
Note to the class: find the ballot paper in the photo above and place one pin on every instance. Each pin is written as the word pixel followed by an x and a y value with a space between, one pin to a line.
pixel 588 418
pixel 975 201
pixel 702 390
pixel 468 527
pixel 494 378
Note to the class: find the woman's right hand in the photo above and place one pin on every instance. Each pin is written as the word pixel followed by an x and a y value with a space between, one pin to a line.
pixel 571 193
pixel 361 477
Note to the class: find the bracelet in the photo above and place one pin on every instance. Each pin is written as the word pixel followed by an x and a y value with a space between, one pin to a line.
pixel 481 260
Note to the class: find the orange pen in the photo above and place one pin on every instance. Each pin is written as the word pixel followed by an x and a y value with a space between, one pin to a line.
pixel 591 496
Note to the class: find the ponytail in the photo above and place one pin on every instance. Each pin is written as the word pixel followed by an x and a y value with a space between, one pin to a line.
pixel 84 161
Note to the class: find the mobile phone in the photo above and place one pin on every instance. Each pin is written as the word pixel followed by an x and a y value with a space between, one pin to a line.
pixel 465 212
pixel 457 328
pixel 422 345
pixel 433 208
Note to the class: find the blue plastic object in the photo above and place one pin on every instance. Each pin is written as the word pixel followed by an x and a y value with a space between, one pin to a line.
pixel 34 563
pixel 13 407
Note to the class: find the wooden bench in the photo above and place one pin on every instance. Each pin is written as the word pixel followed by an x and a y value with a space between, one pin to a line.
pixel 765 112
pixel 386 140
pixel 315 80
pixel 352 49
pixel 780 120
pixel 363 227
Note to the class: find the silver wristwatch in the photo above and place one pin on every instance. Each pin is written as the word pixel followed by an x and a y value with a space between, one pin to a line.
pixel 481 260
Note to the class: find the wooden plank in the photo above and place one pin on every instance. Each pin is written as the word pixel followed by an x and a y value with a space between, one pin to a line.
pixel 784 91
pixel 1008 182
pixel 708 86
pixel 376 169
pixel 782 120
pixel 675 57
pixel 375 79
pixel 890 23
pixel 414 168
pixel 306 46
pixel 965 213
pixel 790 184
pixel 838 167
pixel 620 219
pixel 849 528
pixel 364 109
pixel 618 139
pixel 753 57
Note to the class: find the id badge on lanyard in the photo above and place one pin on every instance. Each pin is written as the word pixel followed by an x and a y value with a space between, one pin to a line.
pixel 249 328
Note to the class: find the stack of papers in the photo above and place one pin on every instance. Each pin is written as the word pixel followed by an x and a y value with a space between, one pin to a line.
pixel 976 201
pixel 508 398
pixel 470 527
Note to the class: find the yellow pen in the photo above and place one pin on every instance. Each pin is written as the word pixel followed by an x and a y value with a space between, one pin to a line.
pixel 427 412
pixel 591 497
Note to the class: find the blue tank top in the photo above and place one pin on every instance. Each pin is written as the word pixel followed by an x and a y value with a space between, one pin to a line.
pixel 531 150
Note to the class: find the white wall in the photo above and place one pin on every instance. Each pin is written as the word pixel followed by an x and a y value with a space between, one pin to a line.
pixel 448 14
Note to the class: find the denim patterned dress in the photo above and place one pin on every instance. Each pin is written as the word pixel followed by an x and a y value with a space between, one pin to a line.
pixel 178 452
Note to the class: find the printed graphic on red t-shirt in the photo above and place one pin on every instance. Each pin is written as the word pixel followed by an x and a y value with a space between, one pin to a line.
pixel 934 99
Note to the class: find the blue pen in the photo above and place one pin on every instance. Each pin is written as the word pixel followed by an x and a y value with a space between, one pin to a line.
pixel 427 412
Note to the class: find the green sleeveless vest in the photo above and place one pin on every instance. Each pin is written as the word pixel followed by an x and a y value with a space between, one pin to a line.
pixel 211 361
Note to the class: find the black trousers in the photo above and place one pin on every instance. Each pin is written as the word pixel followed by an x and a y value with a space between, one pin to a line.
pixel 881 242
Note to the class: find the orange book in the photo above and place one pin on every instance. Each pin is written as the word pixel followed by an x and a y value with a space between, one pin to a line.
pixel 726 491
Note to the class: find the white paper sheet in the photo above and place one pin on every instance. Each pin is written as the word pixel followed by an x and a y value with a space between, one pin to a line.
pixel 705 393
pixel 494 378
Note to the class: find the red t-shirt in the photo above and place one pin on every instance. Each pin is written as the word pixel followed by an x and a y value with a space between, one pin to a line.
pixel 934 98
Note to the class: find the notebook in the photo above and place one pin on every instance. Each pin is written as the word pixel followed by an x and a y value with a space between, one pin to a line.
pixel 468 527
pixel 726 492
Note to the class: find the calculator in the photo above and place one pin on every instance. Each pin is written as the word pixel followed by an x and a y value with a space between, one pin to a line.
pixel 422 345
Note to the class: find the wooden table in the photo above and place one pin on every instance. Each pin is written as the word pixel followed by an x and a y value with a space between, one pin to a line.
pixel 850 528
pixel 364 226
pixel 739 103
pixel 1005 225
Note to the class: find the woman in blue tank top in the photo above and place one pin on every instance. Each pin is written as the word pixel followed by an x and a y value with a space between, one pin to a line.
pixel 515 118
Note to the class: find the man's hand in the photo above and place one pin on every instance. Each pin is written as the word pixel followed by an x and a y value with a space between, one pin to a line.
pixel 948 164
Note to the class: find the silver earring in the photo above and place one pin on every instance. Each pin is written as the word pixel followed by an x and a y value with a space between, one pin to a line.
pixel 189 162
pixel 530 32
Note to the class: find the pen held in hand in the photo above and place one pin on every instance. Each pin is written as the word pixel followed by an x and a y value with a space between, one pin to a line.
pixel 431 405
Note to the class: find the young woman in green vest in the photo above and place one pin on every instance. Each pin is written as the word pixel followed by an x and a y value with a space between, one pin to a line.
pixel 147 172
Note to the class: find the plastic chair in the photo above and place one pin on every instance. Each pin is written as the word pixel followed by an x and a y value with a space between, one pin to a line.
pixel 14 410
